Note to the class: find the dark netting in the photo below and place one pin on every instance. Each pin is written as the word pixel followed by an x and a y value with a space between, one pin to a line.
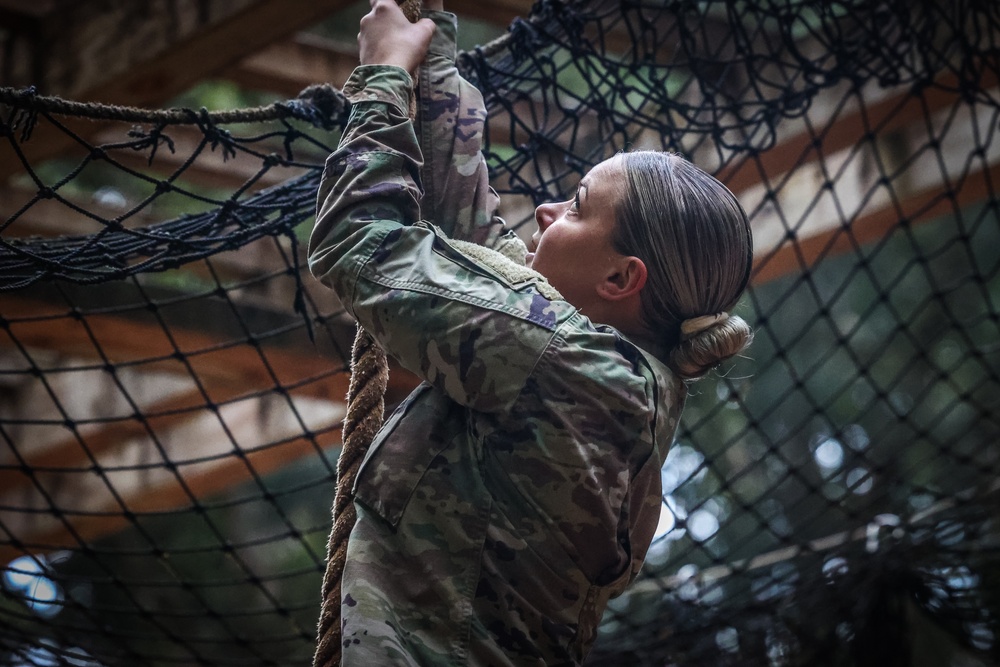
pixel 171 382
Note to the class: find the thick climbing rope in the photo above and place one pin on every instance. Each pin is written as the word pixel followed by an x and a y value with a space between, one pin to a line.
pixel 365 407
pixel 365 404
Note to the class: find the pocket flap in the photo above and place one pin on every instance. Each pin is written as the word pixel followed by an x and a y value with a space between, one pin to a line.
pixel 402 452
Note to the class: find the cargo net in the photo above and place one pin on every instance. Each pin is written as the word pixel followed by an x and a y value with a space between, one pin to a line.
pixel 171 382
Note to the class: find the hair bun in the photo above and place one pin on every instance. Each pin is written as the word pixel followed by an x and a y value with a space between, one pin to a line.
pixel 707 341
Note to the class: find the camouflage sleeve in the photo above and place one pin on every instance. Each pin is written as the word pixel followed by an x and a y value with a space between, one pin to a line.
pixel 451 320
pixel 450 119
pixel 378 132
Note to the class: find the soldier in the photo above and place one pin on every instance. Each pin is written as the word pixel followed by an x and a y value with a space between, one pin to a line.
pixel 518 488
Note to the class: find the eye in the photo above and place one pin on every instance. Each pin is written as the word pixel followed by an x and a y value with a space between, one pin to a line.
pixel 575 206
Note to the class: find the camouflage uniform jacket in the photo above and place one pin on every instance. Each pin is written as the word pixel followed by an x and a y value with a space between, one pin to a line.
pixel 518 488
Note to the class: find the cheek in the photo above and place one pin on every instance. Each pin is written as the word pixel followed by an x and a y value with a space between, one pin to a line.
pixel 566 260
pixel 552 253
pixel 558 242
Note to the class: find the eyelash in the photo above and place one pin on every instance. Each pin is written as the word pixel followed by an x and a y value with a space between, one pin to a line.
pixel 576 203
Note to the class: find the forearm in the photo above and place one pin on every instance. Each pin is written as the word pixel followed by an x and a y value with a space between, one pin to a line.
pixel 450 121
pixel 370 184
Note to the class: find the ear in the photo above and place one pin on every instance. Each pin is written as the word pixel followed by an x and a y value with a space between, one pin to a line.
pixel 626 279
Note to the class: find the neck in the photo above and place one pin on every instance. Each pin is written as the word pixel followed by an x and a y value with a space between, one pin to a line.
pixel 629 322
pixel 647 342
pixel 626 316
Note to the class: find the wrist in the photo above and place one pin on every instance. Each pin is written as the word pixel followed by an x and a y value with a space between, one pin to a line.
pixel 389 84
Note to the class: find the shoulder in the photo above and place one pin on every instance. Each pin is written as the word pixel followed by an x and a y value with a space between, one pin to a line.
pixel 422 258
pixel 465 325
pixel 596 370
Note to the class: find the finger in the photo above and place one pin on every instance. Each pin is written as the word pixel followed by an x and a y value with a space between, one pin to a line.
pixel 429 27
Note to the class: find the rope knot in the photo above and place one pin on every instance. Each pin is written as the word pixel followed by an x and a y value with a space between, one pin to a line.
pixel 321 105
pixel 216 135
pixel 27 116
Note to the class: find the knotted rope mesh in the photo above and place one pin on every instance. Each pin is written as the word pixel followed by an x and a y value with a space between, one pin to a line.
pixel 171 383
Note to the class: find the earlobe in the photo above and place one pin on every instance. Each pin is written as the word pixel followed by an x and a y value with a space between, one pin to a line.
pixel 628 280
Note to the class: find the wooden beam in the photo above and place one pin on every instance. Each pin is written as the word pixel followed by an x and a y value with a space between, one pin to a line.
pixel 114 54
pixel 123 469
pixel 842 200
pixel 28 8
pixel 846 127
pixel 91 441
pixel 207 455
pixel 144 58
pixel 290 66
pixel 216 357
pixel 240 419
pixel 922 206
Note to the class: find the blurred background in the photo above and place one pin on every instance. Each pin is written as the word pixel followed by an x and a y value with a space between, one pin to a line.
pixel 172 381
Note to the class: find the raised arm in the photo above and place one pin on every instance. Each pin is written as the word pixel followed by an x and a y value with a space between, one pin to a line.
pixel 450 118
pixel 440 313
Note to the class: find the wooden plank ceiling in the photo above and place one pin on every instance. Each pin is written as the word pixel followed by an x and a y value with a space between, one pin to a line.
pixel 121 52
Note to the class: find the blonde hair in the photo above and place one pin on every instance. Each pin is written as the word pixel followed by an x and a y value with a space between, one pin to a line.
pixel 695 240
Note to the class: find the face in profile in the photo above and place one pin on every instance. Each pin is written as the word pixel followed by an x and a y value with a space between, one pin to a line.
pixel 573 245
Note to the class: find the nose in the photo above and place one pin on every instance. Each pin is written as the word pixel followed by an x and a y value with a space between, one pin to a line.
pixel 545 215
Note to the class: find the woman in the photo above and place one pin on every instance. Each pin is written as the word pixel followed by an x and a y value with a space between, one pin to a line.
pixel 518 488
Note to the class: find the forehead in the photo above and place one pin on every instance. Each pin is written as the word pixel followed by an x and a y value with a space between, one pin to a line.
pixel 604 183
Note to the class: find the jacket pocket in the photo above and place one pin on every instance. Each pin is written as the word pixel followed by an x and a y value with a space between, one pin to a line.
pixel 402 452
